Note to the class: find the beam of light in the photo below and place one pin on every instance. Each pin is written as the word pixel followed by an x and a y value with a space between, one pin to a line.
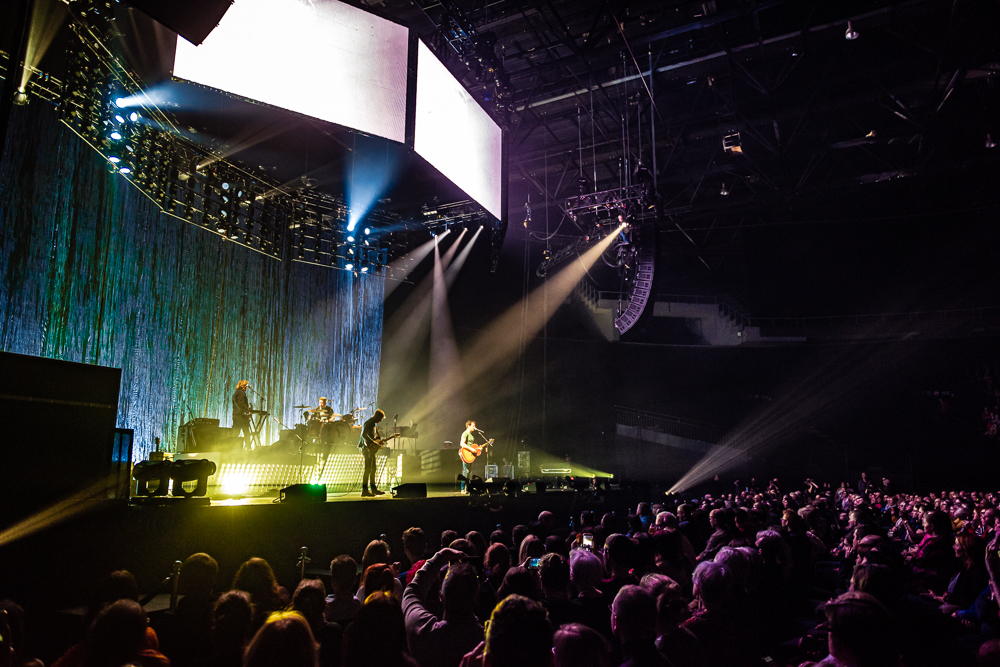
pixel 371 173
pixel 445 364
pixel 822 392
pixel 47 16
pixel 85 500
pixel 500 344
pixel 159 95
pixel 452 273
pixel 401 267
pixel 247 138
pixel 409 326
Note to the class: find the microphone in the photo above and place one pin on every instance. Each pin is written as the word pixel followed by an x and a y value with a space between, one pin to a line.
pixel 480 430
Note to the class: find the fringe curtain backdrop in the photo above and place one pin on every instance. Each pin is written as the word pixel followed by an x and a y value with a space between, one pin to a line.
pixel 91 271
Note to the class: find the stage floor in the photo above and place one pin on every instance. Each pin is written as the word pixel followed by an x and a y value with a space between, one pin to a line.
pixel 354 496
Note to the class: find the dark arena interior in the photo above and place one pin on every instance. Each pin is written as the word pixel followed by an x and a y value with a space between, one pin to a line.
pixel 447 333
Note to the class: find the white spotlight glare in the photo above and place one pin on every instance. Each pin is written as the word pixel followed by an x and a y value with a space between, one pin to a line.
pixel 125 170
pixel 348 266
pixel 120 102
pixel 116 136
pixel 119 118
pixel 364 269
pixel 367 231
pixel 350 239
pixel 114 159
pixel 133 116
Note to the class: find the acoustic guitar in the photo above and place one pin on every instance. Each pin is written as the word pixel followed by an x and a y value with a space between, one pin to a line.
pixel 470 456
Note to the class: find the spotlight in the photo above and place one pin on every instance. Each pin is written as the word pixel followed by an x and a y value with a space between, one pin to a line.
pixel 133 116
pixel 367 231
pixel 348 266
pixel 364 269
pixel 120 102
pixel 116 136
pixel 20 97
pixel 724 191
pixel 990 143
pixel 851 34
pixel 119 118
pixel 350 239
pixel 225 186
pixel 114 159
pixel 125 170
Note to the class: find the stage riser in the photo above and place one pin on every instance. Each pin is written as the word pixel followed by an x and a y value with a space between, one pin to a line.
pixel 250 474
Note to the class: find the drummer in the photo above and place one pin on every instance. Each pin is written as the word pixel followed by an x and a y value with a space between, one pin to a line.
pixel 322 412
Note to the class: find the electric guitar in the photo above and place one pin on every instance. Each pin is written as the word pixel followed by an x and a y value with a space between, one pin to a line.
pixel 379 443
pixel 470 455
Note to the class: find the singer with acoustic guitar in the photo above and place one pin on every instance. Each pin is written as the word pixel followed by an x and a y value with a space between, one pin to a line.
pixel 469 451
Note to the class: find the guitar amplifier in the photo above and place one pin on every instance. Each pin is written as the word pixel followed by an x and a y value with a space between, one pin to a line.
pixel 492 470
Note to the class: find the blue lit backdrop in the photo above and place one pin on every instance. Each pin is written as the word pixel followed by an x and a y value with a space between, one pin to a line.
pixel 91 271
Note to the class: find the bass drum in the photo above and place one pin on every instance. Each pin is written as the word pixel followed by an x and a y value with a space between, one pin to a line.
pixel 337 433
pixel 315 430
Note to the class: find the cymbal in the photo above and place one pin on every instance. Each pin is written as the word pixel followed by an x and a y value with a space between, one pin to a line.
pixel 298 407
pixel 318 410
pixel 359 409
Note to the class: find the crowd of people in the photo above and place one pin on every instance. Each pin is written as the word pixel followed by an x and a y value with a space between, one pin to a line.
pixel 851 576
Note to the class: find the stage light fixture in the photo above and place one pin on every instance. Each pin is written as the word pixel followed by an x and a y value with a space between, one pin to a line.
pixel 364 269
pixel 113 159
pixel 851 34
pixel 124 170
pixel 20 97
pixel 350 239
pixel 133 116
pixel 348 266
pixel 120 102
pixel 116 136
pixel 367 231
pixel 119 118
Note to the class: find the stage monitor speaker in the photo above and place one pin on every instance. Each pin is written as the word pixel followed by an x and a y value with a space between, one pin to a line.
pixel 191 19
pixel 303 493
pixel 535 487
pixel 413 490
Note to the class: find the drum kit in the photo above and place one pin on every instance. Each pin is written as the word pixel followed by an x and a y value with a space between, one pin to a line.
pixel 323 426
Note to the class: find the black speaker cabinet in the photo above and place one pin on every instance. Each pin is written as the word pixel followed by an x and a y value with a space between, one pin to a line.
pixel 303 493
pixel 413 490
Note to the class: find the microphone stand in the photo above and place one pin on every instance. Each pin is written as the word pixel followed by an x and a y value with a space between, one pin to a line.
pixel 486 465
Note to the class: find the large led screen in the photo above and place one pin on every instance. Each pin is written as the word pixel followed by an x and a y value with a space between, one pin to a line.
pixel 321 58
pixel 455 135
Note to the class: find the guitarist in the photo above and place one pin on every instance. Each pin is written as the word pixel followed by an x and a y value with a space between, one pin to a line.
pixel 369 444
pixel 468 443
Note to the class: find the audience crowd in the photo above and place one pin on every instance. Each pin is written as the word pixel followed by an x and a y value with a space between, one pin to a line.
pixel 853 576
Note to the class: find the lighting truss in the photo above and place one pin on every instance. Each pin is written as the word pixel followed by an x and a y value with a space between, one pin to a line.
pixel 631 199
pixel 144 145
pixel 477 51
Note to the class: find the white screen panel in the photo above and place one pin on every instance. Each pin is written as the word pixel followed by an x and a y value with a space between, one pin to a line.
pixel 455 135
pixel 321 58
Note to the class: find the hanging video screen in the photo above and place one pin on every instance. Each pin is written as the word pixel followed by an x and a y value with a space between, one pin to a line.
pixel 455 135
pixel 321 58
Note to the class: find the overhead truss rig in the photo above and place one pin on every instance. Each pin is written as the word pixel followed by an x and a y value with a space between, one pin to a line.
pixel 144 145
